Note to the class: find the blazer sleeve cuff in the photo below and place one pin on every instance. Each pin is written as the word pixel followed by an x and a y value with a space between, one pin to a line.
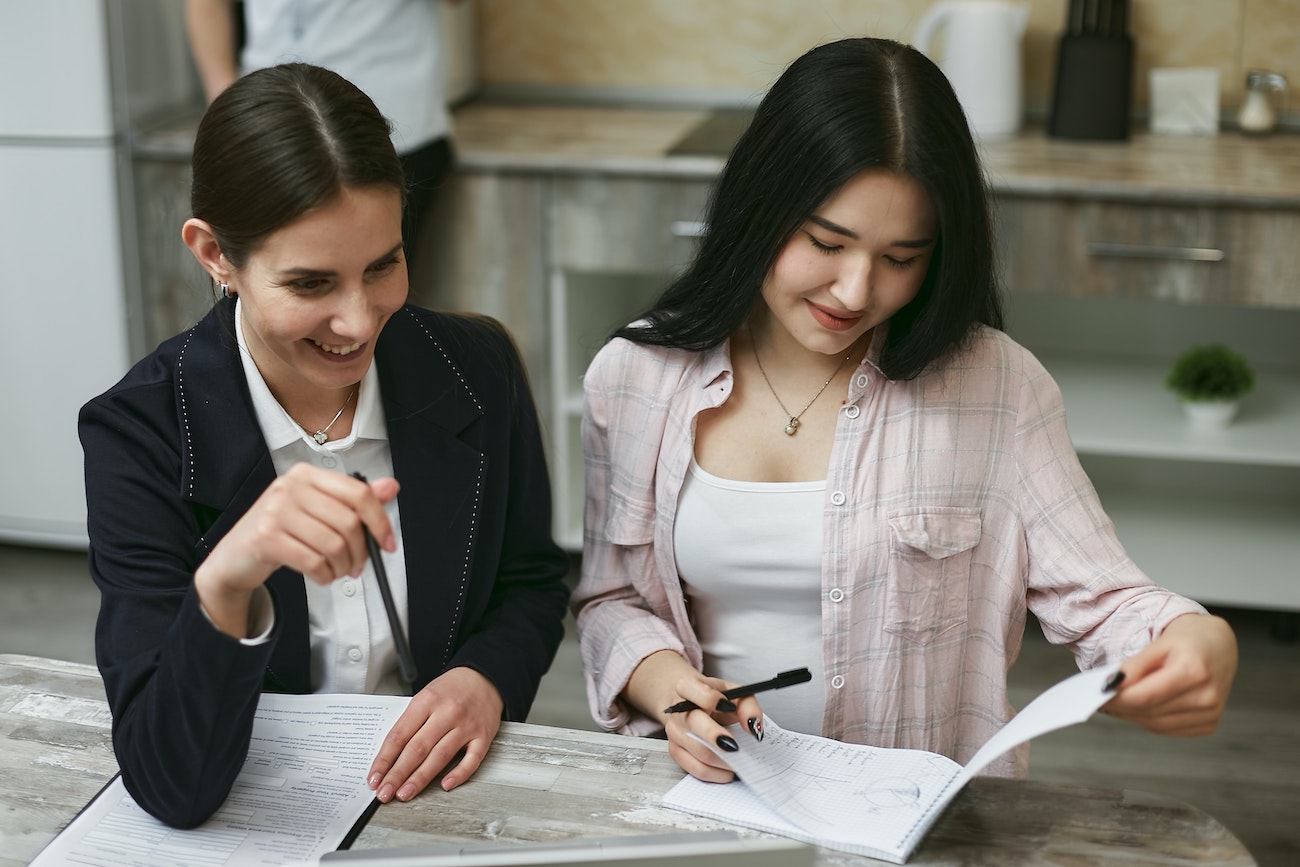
pixel 261 618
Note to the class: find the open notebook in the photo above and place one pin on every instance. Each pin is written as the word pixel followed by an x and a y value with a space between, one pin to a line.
pixel 862 799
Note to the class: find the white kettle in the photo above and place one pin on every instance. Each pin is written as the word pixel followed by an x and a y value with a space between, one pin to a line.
pixel 980 55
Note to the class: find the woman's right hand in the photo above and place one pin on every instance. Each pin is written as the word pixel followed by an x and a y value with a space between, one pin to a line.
pixel 665 678
pixel 308 519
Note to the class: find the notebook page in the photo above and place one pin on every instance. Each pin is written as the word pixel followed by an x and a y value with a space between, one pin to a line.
pixel 1067 703
pixel 848 796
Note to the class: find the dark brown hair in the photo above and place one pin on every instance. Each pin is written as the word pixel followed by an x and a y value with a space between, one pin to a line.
pixel 280 142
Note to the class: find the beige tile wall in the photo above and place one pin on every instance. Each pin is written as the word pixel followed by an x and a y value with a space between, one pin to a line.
pixel 738 47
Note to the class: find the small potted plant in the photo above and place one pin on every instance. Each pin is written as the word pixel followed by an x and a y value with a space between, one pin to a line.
pixel 1210 381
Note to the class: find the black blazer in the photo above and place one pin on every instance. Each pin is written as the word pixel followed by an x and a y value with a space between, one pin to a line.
pixel 174 457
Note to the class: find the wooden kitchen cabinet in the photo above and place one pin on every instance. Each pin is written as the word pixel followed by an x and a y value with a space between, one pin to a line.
pixel 618 224
pixel 1191 253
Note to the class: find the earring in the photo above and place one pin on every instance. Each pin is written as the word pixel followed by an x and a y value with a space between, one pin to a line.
pixel 225 289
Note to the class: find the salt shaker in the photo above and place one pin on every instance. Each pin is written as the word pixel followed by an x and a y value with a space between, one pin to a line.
pixel 1258 115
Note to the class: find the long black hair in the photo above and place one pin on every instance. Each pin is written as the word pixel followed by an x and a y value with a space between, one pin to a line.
pixel 280 142
pixel 839 109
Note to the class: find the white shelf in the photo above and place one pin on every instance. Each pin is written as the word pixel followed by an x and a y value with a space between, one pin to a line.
pixel 1218 551
pixel 1123 408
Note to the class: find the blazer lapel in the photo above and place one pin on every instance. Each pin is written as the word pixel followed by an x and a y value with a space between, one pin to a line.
pixel 229 467
pixel 431 415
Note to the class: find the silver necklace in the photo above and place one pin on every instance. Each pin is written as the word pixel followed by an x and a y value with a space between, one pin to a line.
pixel 322 436
pixel 792 426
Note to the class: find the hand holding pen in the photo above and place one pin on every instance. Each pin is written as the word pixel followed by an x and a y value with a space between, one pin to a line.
pixel 727 703
pixel 303 521
pixel 785 678
pixel 405 660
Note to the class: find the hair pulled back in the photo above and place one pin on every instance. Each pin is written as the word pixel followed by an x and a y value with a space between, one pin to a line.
pixel 280 142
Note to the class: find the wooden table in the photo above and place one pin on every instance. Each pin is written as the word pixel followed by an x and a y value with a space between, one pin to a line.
pixel 543 783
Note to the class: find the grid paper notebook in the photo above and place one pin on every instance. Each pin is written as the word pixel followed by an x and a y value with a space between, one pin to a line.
pixel 862 799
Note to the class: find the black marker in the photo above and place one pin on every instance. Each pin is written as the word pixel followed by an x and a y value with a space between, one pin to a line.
pixel 405 661
pixel 785 678
pixel 1115 680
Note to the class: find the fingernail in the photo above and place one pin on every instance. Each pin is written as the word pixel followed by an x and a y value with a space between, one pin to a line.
pixel 406 793
pixel 374 779
pixel 726 705
pixel 756 728
pixel 726 743
pixel 390 544
pixel 385 794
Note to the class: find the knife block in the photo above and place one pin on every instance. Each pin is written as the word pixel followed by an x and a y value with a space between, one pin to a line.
pixel 1094 87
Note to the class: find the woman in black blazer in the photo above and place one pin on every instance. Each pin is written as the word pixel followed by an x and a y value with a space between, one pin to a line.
pixel 226 535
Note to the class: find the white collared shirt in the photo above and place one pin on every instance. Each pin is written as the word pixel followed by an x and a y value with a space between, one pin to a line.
pixel 352 647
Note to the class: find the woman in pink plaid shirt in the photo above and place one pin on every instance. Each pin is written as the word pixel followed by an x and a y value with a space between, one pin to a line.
pixel 818 448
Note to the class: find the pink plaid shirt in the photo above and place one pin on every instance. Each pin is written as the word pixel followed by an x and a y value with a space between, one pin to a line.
pixel 954 501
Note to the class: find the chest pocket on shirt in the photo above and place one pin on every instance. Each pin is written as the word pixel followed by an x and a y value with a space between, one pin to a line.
pixel 930 555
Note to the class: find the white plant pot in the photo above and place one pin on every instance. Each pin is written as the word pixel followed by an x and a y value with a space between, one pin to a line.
pixel 1210 414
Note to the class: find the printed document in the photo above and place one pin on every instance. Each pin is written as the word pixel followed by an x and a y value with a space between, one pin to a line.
pixel 302 789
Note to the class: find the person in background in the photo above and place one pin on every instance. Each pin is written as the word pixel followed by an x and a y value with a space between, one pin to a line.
pixel 388 48
pixel 818 448
pixel 226 532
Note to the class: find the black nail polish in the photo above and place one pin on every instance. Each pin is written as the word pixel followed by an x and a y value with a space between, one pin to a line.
pixel 726 743
pixel 726 705
pixel 756 728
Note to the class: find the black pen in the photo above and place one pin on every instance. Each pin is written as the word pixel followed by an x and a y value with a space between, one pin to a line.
pixel 785 678
pixel 1113 682
pixel 405 661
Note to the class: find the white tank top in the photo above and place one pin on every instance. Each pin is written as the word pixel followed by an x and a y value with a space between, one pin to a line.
pixel 749 555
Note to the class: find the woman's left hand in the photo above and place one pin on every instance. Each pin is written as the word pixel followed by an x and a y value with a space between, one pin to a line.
pixel 460 709
pixel 1179 683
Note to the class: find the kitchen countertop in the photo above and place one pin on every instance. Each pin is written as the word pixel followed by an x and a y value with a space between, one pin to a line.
pixel 1229 168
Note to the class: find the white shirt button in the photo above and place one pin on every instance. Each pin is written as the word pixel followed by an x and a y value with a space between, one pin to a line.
pixel 862 380
pixel 837 595
pixel 837 682
pixel 852 411
pixel 838 498
pixel 354 654
pixel 329 462
pixel 349 588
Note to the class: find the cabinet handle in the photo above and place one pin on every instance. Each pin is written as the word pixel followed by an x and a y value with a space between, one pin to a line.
pixel 1147 251
pixel 688 228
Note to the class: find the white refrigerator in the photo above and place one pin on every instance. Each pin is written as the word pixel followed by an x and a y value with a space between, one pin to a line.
pixel 71 84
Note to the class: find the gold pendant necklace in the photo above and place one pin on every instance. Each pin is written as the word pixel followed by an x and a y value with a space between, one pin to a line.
pixel 792 426
pixel 322 436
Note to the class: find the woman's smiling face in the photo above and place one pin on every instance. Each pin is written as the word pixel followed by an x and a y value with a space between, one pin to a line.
pixel 315 294
pixel 853 264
